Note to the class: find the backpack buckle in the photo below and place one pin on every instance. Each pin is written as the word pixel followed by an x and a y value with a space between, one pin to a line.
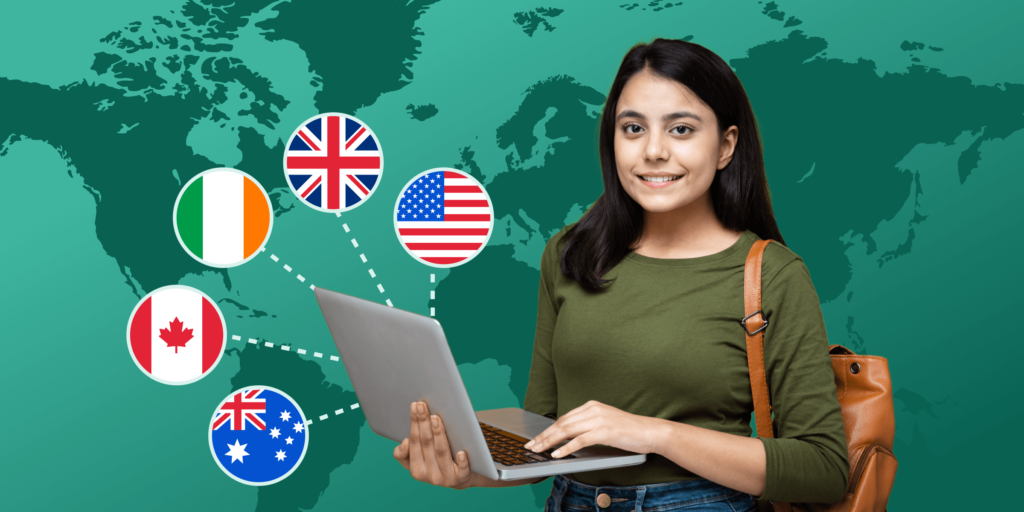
pixel 759 329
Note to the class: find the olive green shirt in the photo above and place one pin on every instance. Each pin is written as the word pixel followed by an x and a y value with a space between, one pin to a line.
pixel 663 340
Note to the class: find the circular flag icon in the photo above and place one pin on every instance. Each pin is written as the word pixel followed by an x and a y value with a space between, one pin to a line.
pixel 444 217
pixel 258 435
pixel 176 334
pixel 223 217
pixel 333 162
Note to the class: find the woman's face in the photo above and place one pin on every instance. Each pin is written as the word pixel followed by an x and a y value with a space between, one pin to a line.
pixel 667 146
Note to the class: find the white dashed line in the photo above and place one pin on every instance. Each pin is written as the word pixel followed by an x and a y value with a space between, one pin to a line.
pixel 339 411
pixel 389 303
pixel 432 297
pixel 362 257
pixel 338 214
pixel 379 287
pixel 355 406
pixel 346 227
pixel 288 268
pixel 354 243
pixel 372 273
pixel 287 348
pixel 307 422
pixel 323 417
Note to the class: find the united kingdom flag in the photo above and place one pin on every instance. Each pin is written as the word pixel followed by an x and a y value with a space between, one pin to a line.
pixel 239 411
pixel 333 162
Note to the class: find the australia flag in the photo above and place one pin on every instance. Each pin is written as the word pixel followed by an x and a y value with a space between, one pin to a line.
pixel 333 162
pixel 258 435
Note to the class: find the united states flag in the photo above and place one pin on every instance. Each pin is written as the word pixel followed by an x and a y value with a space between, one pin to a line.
pixel 444 217
pixel 333 162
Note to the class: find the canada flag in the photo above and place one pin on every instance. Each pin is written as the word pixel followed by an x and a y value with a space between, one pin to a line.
pixel 176 335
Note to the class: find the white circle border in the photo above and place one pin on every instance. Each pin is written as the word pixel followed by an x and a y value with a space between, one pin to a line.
pixel 490 230
pixel 174 217
pixel 213 451
pixel 223 343
pixel 284 163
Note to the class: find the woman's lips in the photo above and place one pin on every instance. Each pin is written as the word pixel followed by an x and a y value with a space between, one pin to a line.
pixel 662 184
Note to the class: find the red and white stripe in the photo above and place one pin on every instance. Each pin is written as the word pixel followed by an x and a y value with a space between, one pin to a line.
pixel 468 219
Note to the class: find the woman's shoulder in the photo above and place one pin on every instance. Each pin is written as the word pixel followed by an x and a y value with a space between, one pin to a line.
pixel 780 261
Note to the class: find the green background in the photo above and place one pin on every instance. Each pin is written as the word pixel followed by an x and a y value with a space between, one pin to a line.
pixel 892 132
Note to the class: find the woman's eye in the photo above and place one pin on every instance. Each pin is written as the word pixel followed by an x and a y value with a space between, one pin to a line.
pixel 683 127
pixel 629 126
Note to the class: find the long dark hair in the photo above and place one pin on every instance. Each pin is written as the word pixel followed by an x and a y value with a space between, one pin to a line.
pixel 739 192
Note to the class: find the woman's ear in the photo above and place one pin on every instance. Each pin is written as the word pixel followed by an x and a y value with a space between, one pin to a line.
pixel 727 146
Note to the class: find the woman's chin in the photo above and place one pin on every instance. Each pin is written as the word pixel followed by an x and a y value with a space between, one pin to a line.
pixel 658 205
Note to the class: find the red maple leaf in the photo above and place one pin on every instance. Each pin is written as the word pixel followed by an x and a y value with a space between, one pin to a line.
pixel 176 337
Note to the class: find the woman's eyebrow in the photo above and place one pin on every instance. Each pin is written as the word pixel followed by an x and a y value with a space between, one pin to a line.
pixel 666 117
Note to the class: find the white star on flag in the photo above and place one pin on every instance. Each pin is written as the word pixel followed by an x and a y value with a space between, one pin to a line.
pixel 289 440
pixel 237 452
pixel 285 416
pixel 275 432
pixel 298 427
pixel 280 455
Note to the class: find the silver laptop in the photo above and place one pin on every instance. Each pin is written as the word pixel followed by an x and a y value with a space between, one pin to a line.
pixel 396 357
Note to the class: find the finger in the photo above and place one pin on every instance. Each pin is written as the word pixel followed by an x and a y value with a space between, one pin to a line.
pixel 401 453
pixel 583 412
pixel 580 441
pixel 462 466
pixel 559 433
pixel 442 450
pixel 416 464
pixel 426 439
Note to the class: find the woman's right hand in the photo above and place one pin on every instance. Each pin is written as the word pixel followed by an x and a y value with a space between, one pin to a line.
pixel 427 455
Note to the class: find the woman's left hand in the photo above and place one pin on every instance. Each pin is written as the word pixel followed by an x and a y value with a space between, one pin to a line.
pixel 596 423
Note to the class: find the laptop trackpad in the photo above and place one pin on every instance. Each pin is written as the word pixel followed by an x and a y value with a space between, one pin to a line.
pixel 517 421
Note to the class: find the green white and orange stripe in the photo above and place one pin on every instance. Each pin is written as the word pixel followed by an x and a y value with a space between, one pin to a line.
pixel 223 217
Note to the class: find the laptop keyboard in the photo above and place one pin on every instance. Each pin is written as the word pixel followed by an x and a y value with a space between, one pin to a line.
pixel 507 448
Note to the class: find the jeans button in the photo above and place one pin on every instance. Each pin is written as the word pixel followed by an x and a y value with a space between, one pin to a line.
pixel 603 500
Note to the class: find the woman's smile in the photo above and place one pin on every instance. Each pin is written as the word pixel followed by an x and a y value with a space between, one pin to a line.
pixel 658 181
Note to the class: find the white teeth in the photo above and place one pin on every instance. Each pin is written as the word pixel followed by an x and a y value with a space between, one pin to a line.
pixel 660 179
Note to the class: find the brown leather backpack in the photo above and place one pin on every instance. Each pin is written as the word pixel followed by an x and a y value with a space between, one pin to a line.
pixel 865 397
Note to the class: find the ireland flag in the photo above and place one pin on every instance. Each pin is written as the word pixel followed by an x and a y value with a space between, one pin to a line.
pixel 176 334
pixel 222 217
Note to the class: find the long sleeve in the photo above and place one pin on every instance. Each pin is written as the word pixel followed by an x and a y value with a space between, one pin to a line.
pixel 807 460
pixel 542 390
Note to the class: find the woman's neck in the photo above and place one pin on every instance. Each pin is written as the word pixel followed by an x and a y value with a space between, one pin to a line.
pixel 688 232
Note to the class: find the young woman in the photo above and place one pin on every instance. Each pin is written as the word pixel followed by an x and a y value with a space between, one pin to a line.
pixel 638 344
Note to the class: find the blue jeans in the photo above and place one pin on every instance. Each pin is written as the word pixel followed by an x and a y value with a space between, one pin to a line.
pixel 568 495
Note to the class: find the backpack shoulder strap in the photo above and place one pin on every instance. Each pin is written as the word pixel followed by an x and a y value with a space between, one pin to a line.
pixel 754 322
